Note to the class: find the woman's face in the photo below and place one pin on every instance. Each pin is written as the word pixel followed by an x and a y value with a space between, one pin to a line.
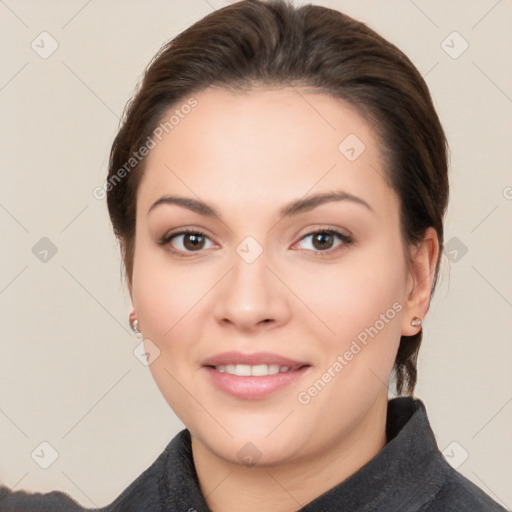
pixel 300 265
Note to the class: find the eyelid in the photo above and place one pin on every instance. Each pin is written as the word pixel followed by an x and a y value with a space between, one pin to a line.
pixel 346 240
pixel 168 236
pixel 310 230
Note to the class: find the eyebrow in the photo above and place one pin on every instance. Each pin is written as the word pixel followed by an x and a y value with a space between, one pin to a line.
pixel 293 208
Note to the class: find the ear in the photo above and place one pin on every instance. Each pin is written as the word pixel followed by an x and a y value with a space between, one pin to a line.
pixel 419 283
pixel 132 316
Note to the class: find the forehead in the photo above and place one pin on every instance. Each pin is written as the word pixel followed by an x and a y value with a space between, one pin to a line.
pixel 268 145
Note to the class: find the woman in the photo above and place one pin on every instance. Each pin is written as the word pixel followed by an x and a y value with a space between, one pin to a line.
pixel 278 187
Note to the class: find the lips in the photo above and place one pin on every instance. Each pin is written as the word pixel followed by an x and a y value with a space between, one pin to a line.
pixel 258 358
pixel 253 376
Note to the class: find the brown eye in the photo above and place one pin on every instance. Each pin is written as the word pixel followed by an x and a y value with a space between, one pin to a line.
pixel 325 241
pixel 186 242
pixel 193 241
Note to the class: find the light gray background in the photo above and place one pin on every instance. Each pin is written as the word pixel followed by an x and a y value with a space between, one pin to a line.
pixel 67 373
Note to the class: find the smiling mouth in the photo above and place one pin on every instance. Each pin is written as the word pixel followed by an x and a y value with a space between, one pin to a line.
pixel 258 370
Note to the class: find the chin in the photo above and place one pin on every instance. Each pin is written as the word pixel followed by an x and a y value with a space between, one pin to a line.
pixel 254 440
pixel 259 451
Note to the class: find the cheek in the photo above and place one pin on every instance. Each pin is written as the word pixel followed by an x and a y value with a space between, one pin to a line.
pixel 168 298
pixel 362 303
pixel 355 291
pixel 358 300
pixel 165 292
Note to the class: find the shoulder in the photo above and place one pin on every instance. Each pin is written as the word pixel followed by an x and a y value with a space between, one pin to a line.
pixel 458 494
pixel 427 482
pixel 22 501
pixel 147 493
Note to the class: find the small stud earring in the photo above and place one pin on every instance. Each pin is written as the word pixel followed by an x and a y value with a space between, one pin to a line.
pixel 416 321
pixel 135 326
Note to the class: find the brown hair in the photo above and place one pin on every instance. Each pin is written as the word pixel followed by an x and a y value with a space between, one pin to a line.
pixel 252 43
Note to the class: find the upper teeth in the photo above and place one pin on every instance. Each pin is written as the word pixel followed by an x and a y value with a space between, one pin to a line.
pixel 246 370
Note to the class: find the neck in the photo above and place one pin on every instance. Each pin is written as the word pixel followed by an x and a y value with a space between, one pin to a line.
pixel 230 487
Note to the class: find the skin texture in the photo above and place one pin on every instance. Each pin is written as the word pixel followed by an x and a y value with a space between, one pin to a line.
pixel 247 155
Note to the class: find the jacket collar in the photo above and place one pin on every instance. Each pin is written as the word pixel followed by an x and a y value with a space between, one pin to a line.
pixel 409 470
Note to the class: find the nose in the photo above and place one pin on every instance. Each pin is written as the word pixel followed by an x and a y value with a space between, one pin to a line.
pixel 252 297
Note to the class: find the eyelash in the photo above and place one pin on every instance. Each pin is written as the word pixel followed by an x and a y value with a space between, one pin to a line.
pixel 347 241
